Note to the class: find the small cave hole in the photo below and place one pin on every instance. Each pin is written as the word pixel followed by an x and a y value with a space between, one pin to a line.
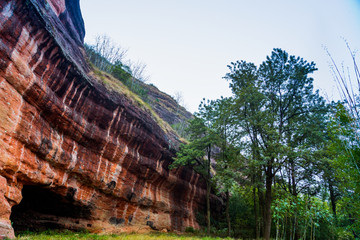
pixel 43 209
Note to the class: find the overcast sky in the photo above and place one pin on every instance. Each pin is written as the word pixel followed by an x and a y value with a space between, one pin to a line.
pixel 187 44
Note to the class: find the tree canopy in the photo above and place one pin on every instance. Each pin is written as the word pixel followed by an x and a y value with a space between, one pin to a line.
pixel 280 146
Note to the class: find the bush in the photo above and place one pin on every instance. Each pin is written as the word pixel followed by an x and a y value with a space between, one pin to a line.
pixel 189 230
pixel 119 72
pixel 342 234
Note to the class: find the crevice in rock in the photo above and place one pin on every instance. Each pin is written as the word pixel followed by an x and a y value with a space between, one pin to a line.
pixel 42 209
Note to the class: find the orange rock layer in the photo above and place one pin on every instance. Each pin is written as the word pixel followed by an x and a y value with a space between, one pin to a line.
pixel 72 154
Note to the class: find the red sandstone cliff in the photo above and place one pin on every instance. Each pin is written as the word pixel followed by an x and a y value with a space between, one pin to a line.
pixel 73 154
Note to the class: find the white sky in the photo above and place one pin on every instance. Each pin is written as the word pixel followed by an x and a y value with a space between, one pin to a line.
pixel 187 44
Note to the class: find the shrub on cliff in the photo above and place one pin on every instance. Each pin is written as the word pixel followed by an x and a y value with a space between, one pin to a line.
pixel 104 54
pixel 109 57
pixel 121 72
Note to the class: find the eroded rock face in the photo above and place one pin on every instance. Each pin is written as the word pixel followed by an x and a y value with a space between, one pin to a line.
pixel 72 154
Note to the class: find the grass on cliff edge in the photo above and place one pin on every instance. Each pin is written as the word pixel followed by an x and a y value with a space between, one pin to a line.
pixel 132 236
pixel 114 84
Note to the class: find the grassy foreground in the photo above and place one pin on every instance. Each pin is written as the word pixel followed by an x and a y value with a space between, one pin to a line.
pixel 132 236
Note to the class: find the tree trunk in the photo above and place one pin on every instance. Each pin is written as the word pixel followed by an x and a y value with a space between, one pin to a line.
pixel 294 193
pixel 227 213
pixel 208 207
pixel 332 199
pixel 268 199
pixel 257 233
pixel 208 190
pixel 262 210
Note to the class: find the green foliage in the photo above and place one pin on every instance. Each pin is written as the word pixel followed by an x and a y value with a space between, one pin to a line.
pixel 189 230
pixel 298 166
pixel 343 150
pixel 97 59
pixel 181 129
pixel 137 88
pixel 121 72
pixel 242 214
pixel 193 154
pixel 198 152
pixel 105 58
pixel 223 125
pixel 305 216
pixel 272 130
pixel 280 123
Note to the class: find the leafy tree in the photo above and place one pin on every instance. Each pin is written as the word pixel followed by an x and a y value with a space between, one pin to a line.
pixel 219 112
pixel 312 214
pixel 212 134
pixel 241 214
pixel 197 154
pixel 275 105
pixel 343 157
pixel 345 142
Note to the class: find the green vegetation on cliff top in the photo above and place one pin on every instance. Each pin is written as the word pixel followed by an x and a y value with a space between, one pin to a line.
pixel 107 68
pixel 114 84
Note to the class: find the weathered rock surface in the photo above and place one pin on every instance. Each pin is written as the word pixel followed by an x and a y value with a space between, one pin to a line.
pixel 72 154
pixel 166 106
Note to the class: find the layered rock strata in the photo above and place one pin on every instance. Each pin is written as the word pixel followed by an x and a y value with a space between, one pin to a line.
pixel 72 154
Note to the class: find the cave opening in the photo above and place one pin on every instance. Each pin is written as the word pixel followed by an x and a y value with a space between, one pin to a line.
pixel 42 209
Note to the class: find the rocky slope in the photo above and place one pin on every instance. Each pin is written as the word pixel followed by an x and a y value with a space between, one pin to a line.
pixel 72 153
pixel 166 106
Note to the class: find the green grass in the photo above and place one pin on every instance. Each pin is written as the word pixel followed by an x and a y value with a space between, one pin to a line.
pixel 113 84
pixel 67 235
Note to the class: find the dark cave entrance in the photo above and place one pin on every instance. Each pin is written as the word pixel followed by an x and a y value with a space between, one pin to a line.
pixel 42 209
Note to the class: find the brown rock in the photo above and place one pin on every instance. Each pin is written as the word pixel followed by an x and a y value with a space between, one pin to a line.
pixel 73 154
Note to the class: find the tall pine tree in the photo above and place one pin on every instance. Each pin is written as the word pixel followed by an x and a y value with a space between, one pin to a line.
pixel 274 105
